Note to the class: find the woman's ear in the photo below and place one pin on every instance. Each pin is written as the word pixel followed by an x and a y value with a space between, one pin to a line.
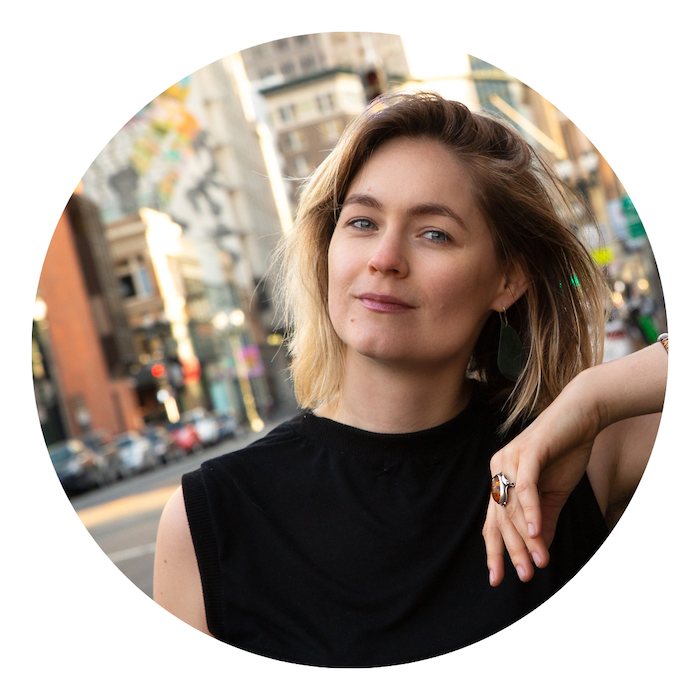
pixel 515 284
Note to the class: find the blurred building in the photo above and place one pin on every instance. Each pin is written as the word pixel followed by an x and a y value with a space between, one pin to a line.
pixel 142 257
pixel 82 342
pixel 311 85
pixel 184 360
pixel 309 114
pixel 288 59
pixel 196 155
pixel 619 245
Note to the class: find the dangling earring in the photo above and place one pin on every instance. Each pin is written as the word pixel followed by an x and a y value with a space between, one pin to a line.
pixel 510 359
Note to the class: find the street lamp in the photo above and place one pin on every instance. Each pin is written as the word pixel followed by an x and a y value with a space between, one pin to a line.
pixel 234 320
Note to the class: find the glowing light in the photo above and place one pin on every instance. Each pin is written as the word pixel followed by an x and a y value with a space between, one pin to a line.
pixel 157 371
pixel 220 321
pixel 171 409
pixel 257 425
pixel 619 286
pixel 643 284
pixel 39 309
pixel 275 339
pixel 617 299
pixel 237 317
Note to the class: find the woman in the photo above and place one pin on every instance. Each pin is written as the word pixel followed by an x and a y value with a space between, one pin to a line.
pixel 439 303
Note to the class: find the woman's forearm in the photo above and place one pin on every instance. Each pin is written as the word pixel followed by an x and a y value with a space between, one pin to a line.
pixel 631 386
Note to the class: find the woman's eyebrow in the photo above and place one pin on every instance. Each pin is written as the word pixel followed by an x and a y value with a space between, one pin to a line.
pixel 436 210
pixel 417 210
pixel 364 199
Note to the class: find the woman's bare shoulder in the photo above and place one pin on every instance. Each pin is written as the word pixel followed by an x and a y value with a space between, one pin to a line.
pixel 177 586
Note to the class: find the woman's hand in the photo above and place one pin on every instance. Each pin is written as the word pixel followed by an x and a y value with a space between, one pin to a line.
pixel 547 460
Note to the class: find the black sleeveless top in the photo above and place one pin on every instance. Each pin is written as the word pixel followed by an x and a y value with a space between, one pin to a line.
pixel 328 545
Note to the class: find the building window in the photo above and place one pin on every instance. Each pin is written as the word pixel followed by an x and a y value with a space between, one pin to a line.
pixel 127 288
pixel 308 63
pixel 326 103
pixel 294 140
pixel 134 280
pixel 287 113
pixel 143 281
pixel 288 69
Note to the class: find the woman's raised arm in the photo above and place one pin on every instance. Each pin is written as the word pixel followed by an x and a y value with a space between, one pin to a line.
pixel 603 423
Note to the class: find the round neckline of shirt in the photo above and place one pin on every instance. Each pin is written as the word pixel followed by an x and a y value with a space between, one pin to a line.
pixel 348 438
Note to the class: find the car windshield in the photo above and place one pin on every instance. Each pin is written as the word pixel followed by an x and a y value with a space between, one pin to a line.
pixel 60 454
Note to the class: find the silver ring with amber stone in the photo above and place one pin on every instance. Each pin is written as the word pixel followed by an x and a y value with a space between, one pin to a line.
pixel 499 488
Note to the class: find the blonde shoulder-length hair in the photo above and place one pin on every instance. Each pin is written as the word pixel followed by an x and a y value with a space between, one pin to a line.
pixel 532 216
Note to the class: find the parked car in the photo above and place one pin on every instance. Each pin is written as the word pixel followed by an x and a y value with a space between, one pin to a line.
pixel 164 446
pixel 204 423
pixel 186 437
pixel 227 423
pixel 108 454
pixel 77 466
pixel 618 341
pixel 135 451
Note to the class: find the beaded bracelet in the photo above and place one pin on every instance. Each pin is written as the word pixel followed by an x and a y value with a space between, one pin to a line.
pixel 663 339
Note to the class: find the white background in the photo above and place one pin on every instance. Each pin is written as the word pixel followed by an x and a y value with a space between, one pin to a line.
pixel 74 72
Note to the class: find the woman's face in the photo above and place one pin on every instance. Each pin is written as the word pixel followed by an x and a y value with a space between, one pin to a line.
pixel 413 273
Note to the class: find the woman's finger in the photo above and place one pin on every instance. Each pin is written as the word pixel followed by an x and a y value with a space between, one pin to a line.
pixel 524 473
pixel 494 546
pixel 529 501
pixel 515 545
pixel 536 546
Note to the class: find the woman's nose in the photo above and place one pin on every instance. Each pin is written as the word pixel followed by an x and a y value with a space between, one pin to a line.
pixel 389 255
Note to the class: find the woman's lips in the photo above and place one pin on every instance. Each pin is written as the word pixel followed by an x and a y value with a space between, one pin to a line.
pixel 381 302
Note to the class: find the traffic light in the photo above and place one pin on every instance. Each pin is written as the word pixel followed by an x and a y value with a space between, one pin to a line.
pixel 372 83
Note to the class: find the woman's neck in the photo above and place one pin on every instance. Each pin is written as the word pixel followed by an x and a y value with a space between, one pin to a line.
pixel 383 398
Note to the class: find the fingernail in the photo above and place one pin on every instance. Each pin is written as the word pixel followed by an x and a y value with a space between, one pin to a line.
pixel 536 558
pixel 521 572
pixel 531 529
pixel 492 577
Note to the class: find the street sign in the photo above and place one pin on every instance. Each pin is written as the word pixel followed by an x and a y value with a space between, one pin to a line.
pixel 634 223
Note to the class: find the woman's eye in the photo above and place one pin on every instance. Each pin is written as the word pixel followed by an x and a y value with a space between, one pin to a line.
pixel 437 236
pixel 362 223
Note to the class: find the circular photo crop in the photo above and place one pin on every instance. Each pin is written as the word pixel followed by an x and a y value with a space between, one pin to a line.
pixel 320 346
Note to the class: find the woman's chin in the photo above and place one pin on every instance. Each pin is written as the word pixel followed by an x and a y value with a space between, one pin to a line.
pixel 402 355
pixel 381 351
